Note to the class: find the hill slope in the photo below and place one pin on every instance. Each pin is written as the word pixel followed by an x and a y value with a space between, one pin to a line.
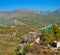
pixel 30 17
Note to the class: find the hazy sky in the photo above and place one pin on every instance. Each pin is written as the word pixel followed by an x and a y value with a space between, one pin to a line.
pixel 31 4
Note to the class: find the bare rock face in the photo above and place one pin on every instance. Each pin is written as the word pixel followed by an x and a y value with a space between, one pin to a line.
pixel 31 37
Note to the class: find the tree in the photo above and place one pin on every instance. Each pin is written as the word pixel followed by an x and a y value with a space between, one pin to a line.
pixel 44 37
pixel 51 37
pixel 56 31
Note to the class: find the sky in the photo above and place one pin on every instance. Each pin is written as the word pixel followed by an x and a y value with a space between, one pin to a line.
pixel 8 5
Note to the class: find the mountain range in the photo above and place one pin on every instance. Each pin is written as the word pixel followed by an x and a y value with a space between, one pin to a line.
pixel 33 18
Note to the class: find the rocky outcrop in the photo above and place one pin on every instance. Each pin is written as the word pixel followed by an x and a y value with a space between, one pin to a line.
pixel 31 37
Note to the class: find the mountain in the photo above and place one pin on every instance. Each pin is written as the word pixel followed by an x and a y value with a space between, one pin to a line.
pixel 30 17
pixel 58 10
pixel 25 22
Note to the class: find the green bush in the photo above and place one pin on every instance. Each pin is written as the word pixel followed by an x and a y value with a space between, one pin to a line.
pixel 26 49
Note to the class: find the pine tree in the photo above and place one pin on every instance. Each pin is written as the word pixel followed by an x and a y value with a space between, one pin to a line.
pixel 56 32
pixel 44 37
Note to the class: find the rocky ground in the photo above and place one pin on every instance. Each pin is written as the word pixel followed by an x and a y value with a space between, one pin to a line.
pixel 34 47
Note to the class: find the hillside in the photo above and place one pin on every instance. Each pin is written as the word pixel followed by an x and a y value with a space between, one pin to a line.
pixel 30 17
pixel 20 32
pixel 10 37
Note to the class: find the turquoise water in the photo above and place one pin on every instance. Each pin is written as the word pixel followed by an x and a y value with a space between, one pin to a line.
pixel 47 27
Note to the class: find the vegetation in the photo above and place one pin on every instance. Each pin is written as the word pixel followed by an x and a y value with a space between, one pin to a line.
pixel 26 49
pixel 10 38
pixel 21 23
pixel 51 35
pixel 32 18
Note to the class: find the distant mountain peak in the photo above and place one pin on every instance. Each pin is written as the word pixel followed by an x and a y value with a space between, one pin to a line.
pixel 58 10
